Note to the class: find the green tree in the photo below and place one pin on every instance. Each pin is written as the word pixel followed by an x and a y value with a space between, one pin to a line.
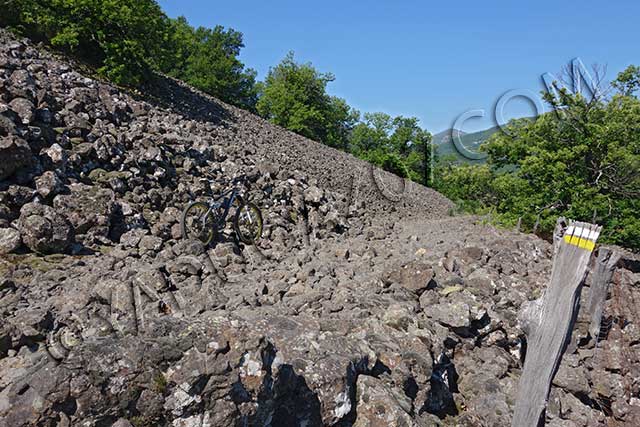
pixel 372 133
pixel 389 142
pixel 583 163
pixel 413 144
pixel 628 81
pixel 123 38
pixel 208 60
pixel 295 96
pixel 128 39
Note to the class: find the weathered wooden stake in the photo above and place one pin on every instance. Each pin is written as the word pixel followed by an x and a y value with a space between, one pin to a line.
pixel 550 326
pixel 605 266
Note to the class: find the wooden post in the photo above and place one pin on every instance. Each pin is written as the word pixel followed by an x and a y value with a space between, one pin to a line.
pixel 605 265
pixel 550 326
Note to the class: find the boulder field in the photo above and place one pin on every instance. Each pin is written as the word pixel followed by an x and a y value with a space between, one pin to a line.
pixel 363 304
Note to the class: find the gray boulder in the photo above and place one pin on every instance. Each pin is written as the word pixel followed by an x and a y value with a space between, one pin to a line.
pixel 44 230
pixel 22 83
pixel 15 154
pixel 313 195
pixel 10 240
pixel 24 109
pixel 48 184
pixel 377 406
pixel 89 208
pixel 414 276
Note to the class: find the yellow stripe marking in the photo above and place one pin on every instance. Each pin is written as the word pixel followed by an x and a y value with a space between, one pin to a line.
pixel 580 242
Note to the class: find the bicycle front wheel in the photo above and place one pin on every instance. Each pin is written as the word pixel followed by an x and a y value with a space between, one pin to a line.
pixel 248 223
pixel 196 224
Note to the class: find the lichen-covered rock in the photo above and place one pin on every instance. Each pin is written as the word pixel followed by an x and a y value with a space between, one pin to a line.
pixel 44 230
pixel 88 208
pixel 24 109
pixel 10 240
pixel 48 185
pixel 15 154
pixel 414 276
pixel 363 303
pixel 377 406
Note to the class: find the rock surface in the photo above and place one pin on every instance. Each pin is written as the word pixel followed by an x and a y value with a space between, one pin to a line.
pixel 44 230
pixel 363 304
pixel 9 240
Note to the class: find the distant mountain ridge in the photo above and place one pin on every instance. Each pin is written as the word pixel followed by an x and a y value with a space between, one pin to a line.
pixel 472 141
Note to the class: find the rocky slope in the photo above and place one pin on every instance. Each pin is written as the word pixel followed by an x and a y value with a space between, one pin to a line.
pixel 363 305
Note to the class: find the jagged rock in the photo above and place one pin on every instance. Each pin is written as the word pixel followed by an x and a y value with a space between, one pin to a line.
pixel 13 199
pixel 7 127
pixel 187 265
pixel 22 84
pixel 414 276
pixel 15 154
pixel 573 377
pixel 356 302
pixel 151 279
pixel 397 317
pixel 378 407
pixel 131 238
pixel 48 185
pixel 10 240
pixel 56 156
pixel 150 404
pixel 313 195
pixel 455 314
pixel 89 208
pixel 24 109
pixel 150 243
pixel 44 230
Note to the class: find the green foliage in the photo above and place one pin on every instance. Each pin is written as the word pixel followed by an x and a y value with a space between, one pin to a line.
pixel 390 162
pixel 122 37
pixel 208 59
pixel 295 96
pixel 397 144
pixel 581 161
pixel 127 39
pixel 371 134
pixel 159 383
pixel 459 182
pixel 628 81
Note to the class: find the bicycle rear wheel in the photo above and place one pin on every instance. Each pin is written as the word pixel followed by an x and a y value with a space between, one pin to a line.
pixel 248 223
pixel 196 224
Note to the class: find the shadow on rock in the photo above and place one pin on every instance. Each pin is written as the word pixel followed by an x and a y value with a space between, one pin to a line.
pixel 286 400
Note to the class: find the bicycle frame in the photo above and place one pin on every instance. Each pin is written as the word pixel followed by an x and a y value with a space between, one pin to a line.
pixel 227 203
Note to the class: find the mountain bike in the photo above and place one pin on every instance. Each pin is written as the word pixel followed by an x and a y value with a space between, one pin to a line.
pixel 203 221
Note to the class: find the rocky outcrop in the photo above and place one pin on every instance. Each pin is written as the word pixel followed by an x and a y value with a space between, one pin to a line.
pixel 363 304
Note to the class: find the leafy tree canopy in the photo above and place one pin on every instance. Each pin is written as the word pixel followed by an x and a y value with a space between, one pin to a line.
pixel 208 59
pixel 127 39
pixel 582 161
pixel 389 142
pixel 295 96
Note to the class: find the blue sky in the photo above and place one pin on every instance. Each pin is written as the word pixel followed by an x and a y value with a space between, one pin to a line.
pixel 432 61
